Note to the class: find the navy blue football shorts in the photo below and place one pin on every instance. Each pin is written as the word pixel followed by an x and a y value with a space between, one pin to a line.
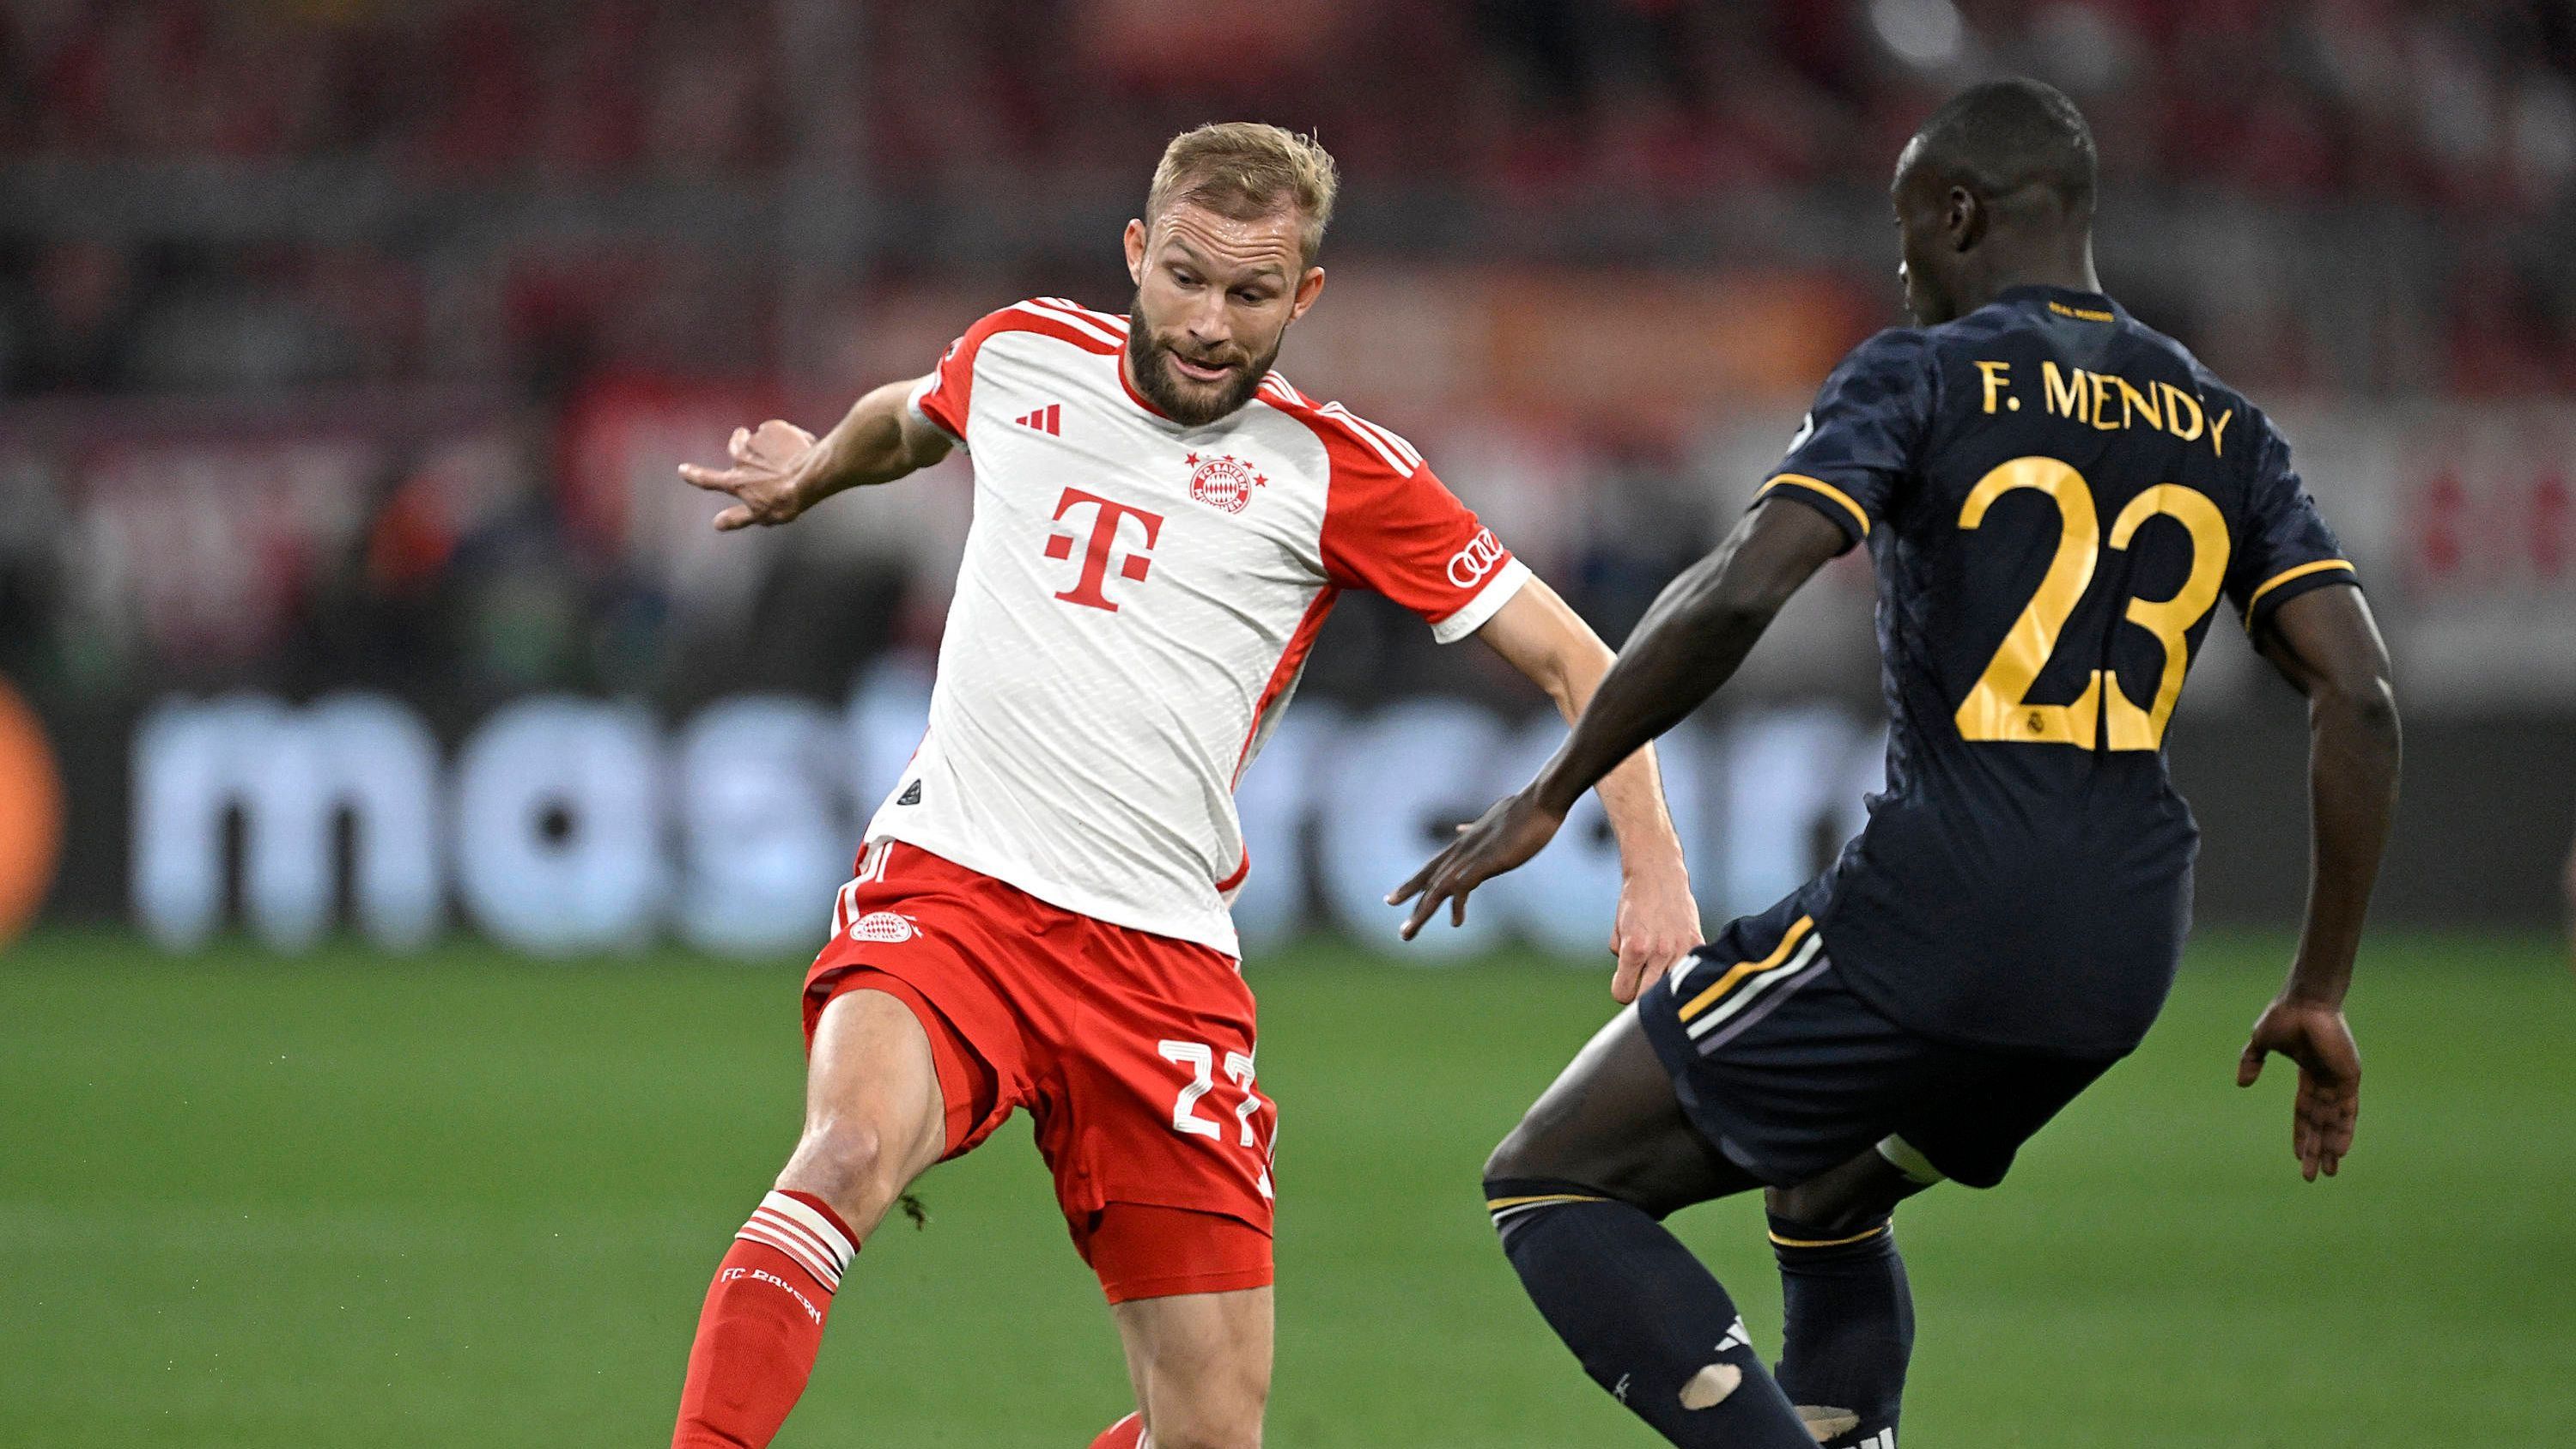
pixel 1790 1073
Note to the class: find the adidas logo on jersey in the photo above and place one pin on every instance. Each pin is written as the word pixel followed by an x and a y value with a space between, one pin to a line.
pixel 1048 420
pixel 1736 1337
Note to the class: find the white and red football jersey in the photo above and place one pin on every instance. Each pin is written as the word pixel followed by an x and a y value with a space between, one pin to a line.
pixel 1135 605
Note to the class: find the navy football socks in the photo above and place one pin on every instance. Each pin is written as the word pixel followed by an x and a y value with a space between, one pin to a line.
pixel 1849 1330
pixel 1647 1320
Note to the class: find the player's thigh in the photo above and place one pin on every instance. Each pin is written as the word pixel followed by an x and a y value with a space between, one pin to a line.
pixel 1976 1109
pixel 1201 1366
pixel 874 1114
pixel 1155 1125
pixel 1612 1123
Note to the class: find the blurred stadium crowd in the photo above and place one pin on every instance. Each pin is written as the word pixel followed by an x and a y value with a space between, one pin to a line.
pixel 243 195
pixel 348 345
pixel 320 316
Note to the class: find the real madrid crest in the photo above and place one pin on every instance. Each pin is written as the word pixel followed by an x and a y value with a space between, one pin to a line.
pixel 1221 480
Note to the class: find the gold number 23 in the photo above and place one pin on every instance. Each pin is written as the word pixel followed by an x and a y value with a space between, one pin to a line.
pixel 1996 709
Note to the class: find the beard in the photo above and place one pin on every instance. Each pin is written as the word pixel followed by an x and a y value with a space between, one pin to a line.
pixel 1188 402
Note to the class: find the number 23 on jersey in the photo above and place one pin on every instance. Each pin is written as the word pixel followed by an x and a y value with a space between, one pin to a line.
pixel 1997 707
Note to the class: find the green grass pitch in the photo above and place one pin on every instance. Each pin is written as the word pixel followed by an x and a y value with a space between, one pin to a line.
pixel 456 1199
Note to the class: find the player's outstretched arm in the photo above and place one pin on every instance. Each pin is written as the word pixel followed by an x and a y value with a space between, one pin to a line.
pixel 1540 635
pixel 2326 644
pixel 780 470
pixel 1689 643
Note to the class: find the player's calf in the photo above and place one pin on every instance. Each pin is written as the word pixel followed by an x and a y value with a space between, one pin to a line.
pixel 1645 1318
pixel 762 1323
pixel 1575 1192
pixel 1201 1365
pixel 1849 1312
pixel 1186 1431
pixel 873 1122
pixel 1847 1330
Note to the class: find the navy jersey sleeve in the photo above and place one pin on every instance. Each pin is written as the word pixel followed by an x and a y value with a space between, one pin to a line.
pixel 1860 438
pixel 2284 549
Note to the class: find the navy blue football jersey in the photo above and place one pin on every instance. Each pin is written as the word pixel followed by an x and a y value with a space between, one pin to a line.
pixel 2056 497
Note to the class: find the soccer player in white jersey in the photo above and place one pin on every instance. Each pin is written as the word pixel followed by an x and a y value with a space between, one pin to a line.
pixel 1039 915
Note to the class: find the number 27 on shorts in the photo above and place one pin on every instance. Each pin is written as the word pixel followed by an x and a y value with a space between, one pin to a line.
pixel 1201 1059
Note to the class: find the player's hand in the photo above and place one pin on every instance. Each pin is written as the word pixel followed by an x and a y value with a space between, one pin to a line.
pixel 765 480
pixel 1511 832
pixel 2313 1035
pixel 1657 924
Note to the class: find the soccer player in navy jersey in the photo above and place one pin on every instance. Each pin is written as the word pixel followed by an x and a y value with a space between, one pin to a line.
pixel 2056 498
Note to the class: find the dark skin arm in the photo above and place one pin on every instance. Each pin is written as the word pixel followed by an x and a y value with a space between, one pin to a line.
pixel 2326 644
pixel 1689 643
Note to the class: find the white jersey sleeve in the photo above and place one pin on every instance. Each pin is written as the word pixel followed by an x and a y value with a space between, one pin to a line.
pixel 1392 527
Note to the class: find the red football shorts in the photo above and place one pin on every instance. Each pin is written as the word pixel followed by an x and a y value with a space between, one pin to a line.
pixel 1132 1051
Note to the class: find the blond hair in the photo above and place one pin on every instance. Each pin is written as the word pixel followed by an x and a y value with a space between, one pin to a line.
pixel 1246 170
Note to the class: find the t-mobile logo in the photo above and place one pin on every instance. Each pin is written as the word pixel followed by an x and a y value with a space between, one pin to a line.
pixel 1106 518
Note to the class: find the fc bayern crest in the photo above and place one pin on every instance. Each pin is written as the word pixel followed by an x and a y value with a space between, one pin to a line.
pixel 884 928
pixel 1222 480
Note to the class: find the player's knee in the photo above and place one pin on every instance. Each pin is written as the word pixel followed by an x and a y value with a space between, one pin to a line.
pixel 1531 1153
pixel 1507 1158
pixel 1825 1210
pixel 1853 1198
pixel 1525 1153
pixel 844 1163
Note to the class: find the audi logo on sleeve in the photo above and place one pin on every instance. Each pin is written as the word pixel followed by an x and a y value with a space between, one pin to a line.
pixel 1480 557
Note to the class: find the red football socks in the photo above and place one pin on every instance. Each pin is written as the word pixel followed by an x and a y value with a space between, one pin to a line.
pixel 1127 1433
pixel 763 1323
